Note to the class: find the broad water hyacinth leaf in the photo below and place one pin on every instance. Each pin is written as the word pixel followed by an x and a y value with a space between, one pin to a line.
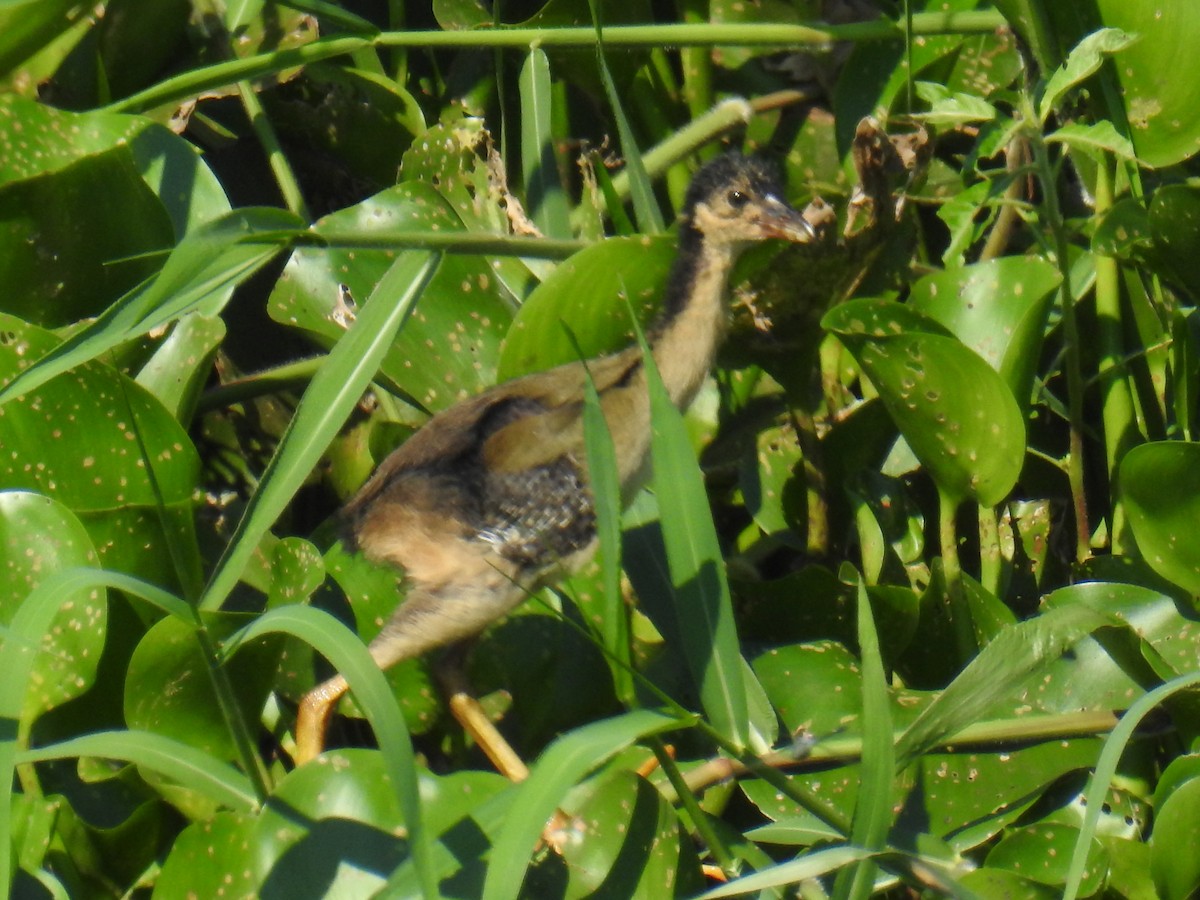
pixel 955 412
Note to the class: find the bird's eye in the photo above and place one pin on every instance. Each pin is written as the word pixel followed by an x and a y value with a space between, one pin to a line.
pixel 737 199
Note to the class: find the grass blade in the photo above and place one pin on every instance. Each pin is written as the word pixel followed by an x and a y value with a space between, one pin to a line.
pixel 331 396
pixel 185 765
pixel 645 207
pixel 1003 664
pixel 606 494
pixel 701 596
pixel 543 191
pixel 873 809
pixel 349 656
pixel 197 276
pixel 564 764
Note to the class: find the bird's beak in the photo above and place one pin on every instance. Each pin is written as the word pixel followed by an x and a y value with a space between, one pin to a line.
pixel 781 221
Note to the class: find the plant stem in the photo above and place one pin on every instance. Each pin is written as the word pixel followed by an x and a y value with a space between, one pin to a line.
pixel 1071 358
pixel 699 34
pixel 956 598
pixel 289 188
pixel 698 816
pixel 991 560
pixel 1117 412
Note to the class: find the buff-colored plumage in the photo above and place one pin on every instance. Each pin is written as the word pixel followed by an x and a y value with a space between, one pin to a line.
pixel 489 500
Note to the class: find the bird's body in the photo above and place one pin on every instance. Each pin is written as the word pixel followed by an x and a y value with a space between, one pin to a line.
pixel 490 501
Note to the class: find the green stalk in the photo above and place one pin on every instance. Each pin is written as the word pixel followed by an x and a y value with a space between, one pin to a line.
pixel 991 560
pixel 289 187
pixel 696 62
pixel 699 817
pixel 1117 411
pixel 700 34
pixel 1071 357
pixel 956 598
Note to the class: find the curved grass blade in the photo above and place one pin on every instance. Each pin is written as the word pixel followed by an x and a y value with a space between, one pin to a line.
pixel 330 397
pixel 701 596
pixel 198 276
pixel 185 765
pixel 346 652
pixel 1106 768
pixel 563 765
pixel 873 809
pixel 1010 658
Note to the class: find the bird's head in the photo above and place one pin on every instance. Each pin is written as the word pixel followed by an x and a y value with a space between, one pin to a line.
pixel 737 200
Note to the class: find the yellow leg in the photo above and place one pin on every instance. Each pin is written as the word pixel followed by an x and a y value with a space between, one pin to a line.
pixel 312 719
pixel 470 715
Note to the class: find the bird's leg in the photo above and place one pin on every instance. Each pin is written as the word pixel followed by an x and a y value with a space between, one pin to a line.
pixel 474 721
pixel 425 620
pixel 312 719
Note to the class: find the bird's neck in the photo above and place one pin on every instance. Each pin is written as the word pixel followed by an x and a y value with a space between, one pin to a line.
pixel 694 319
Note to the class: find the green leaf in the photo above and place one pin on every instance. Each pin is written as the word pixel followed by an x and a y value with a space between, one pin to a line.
pixel 181 366
pixel 630 843
pixel 85 452
pixel 946 108
pixel 27 25
pixel 562 765
pixel 591 291
pixel 1080 64
pixel 605 483
pixel 809 866
pixel 1042 852
pixel 190 712
pixel 545 200
pixel 330 397
pixel 1158 77
pixel 1094 139
pixel 1173 859
pixel 701 592
pixel 873 808
pixel 211 858
pixel 449 346
pixel 1114 746
pixel 331 829
pixel 53 139
pixel 40 537
pixel 994 674
pixel 955 412
pixel 348 655
pixel 182 763
pixel 998 308
pixel 78 238
pixel 1160 486
pixel 198 276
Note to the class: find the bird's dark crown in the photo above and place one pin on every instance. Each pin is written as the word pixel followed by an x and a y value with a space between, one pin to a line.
pixel 752 175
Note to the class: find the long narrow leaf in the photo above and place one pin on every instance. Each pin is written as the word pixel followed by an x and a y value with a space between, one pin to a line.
pixel 544 195
pixel 187 766
pixel 605 483
pixel 873 807
pixel 331 396
pixel 346 652
pixel 702 604
pixel 1106 768
pixel 1003 664
pixel 564 763
pixel 198 276
pixel 645 208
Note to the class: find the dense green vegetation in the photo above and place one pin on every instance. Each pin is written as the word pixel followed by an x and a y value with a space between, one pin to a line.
pixel 916 568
